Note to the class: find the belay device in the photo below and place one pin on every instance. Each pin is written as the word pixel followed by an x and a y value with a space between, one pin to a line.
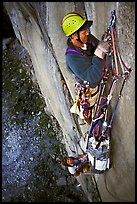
pixel 98 143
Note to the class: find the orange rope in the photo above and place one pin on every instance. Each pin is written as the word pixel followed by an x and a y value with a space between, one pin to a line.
pixel 114 50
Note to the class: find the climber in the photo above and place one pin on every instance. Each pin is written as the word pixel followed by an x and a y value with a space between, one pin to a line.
pixel 85 53
pixel 76 165
pixel 82 163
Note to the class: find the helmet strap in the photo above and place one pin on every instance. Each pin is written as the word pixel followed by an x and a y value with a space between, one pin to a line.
pixel 79 38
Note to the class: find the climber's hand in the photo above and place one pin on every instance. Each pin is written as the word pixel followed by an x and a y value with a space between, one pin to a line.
pixel 103 46
pixel 102 49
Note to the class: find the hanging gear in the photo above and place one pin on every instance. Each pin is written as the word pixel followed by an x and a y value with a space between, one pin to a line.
pixel 98 144
pixel 85 101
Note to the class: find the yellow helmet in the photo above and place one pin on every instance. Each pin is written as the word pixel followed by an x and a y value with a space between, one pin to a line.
pixel 74 21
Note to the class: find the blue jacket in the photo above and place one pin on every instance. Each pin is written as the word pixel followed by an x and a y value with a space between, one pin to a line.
pixel 84 64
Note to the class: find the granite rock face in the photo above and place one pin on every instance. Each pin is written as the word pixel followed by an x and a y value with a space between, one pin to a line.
pixel 37 26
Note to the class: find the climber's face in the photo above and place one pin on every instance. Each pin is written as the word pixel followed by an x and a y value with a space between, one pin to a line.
pixel 70 161
pixel 84 35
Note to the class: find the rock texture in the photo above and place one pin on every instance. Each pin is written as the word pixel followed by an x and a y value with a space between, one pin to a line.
pixel 37 25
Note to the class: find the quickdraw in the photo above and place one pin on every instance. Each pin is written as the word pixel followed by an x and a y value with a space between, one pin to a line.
pixel 85 101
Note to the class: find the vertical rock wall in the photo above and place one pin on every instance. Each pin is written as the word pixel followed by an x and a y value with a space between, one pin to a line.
pixel 29 22
pixel 38 27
